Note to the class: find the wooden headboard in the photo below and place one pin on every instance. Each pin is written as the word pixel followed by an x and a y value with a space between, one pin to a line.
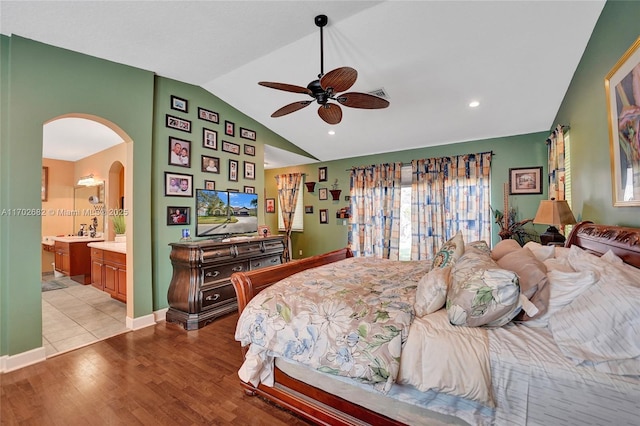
pixel 598 239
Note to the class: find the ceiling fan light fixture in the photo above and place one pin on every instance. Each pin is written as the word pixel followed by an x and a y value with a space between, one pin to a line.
pixel 474 104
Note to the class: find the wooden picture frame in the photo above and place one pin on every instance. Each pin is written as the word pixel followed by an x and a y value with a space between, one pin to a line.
pixel 264 231
pixel 324 216
pixel 178 123
pixel 249 150
pixel 249 170
pixel 44 184
pixel 247 134
pixel 525 180
pixel 308 209
pixel 249 189
pixel 210 164
pixel 322 174
pixel 323 194
pixel 209 138
pixel 270 205
pixel 233 170
pixel 624 140
pixel 179 104
pixel 229 128
pixel 178 215
pixel 178 185
pixel 179 152
pixel 210 184
pixel 231 147
pixel 206 115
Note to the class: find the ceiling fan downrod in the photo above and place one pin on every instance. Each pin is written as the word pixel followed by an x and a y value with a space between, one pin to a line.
pixel 321 21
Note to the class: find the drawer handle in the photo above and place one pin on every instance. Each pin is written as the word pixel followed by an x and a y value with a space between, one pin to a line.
pixel 212 297
pixel 210 274
pixel 237 268
pixel 275 260
pixel 257 264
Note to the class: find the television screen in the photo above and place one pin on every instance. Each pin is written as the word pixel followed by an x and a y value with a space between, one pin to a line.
pixel 220 213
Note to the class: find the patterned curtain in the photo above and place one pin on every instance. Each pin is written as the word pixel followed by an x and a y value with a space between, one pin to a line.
pixel 449 194
pixel 375 211
pixel 555 147
pixel 288 189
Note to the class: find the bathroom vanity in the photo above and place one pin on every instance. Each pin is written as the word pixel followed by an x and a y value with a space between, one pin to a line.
pixel 73 257
pixel 109 268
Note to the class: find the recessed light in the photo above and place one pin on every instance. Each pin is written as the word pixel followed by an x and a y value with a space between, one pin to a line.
pixel 332 132
pixel 474 104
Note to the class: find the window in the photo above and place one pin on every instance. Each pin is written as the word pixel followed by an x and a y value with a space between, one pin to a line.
pixel 298 217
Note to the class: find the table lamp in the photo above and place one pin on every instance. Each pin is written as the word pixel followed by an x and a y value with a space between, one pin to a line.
pixel 554 213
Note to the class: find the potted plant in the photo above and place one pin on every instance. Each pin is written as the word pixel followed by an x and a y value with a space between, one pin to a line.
pixel 335 192
pixel 119 227
pixel 510 228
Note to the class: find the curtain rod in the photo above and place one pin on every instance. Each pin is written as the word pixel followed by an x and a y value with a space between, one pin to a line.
pixel 493 154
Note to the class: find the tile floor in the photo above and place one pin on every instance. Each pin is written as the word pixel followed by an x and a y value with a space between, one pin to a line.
pixel 79 315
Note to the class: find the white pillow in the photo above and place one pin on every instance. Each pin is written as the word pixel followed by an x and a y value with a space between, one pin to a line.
pixel 564 288
pixel 561 252
pixel 611 258
pixel 541 252
pixel 556 264
pixel 431 294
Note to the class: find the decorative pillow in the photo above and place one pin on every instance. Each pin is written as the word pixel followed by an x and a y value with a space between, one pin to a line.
pixel 450 252
pixel 541 252
pixel 432 291
pixel 481 293
pixel 600 327
pixel 532 275
pixel 480 245
pixel 503 247
pixel 564 287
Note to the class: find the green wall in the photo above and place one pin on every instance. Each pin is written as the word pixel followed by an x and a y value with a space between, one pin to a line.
pixel 584 109
pixel 515 151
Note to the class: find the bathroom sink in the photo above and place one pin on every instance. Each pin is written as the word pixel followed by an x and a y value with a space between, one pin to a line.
pixel 75 238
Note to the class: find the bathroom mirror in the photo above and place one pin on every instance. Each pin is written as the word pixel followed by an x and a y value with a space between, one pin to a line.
pixel 88 202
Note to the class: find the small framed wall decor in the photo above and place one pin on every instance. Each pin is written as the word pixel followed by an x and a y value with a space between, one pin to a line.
pixel 249 170
pixel 205 114
pixel 209 184
pixel 178 123
pixel 210 164
pixel 249 189
pixel 308 209
pixel 179 152
pixel 249 150
pixel 44 185
pixel 178 185
pixel 229 128
pixel 209 138
pixel 323 194
pixel 231 147
pixel 179 104
pixel 322 174
pixel 324 215
pixel 526 180
pixel 233 170
pixel 178 215
pixel 270 205
pixel 247 134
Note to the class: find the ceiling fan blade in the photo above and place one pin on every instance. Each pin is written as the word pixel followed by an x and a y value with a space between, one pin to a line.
pixel 288 109
pixel 331 113
pixel 286 87
pixel 340 79
pixel 362 100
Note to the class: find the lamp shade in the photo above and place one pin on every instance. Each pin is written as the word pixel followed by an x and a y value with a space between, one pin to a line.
pixel 554 212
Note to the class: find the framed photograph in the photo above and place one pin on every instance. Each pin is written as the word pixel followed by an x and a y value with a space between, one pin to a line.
pixel 229 128
pixel 323 194
pixel 308 209
pixel 249 170
pixel 526 180
pixel 264 231
pixel 247 134
pixel 209 184
pixel 178 123
pixel 249 150
pixel 210 164
pixel 179 104
pixel 324 215
pixel 249 189
pixel 231 147
pixel 205 114
pixel 178 215
pixel 209 138
pixel 270 205
pixel 178 185
pixel 322 174
pixel 233 170
pixel 179 152
pixel 44 186
pixel 623 102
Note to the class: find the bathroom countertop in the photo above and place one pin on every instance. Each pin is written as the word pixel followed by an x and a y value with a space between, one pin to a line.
pixel 110 246
pixel 75 239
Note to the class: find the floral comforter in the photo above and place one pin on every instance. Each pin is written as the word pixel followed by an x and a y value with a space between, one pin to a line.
pixel 349 318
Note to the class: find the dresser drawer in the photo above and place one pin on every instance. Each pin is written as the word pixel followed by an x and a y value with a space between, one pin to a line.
pixel 216 296
pixel 265 261
pixel 215 273
pixel 217 254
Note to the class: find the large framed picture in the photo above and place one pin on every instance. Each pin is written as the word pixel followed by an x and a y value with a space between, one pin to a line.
pixel 178 123
pixel 178 185
pixel 179 152
pixel 178 215
pixel 526 180
pixel 623 103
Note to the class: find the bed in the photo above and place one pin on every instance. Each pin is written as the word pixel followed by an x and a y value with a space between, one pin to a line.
pixel 539 371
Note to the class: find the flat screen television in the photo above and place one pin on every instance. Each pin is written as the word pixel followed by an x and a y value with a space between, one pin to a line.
pixel 225 213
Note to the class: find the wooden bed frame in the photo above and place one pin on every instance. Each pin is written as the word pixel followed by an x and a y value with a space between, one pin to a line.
pixel 323 408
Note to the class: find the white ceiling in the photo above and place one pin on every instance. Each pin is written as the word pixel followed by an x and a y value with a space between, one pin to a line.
pixel 516 58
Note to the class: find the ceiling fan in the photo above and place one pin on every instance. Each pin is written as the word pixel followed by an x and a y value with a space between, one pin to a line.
pixel 326 88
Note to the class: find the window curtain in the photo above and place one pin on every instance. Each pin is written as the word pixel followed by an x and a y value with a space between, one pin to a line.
pixel 288 189
pixel 555 148
pixel 449 194
pixel 375 211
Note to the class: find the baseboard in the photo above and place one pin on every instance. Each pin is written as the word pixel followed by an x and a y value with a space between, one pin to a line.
pixel 161 315
pixel 140 322
pixel 23 359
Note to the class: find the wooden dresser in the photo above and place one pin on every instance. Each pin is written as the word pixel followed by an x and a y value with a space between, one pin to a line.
pixel 200 288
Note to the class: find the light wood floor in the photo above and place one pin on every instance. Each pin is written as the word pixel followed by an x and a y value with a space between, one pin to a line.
pixel 160 375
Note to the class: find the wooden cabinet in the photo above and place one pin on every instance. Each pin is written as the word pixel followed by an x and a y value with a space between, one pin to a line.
pixel 109 272
pixel 73 259
pixel 200 288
